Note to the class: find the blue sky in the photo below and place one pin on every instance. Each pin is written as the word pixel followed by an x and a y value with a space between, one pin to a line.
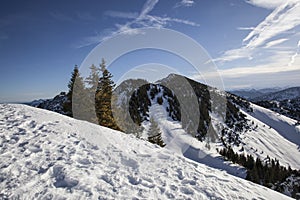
pixel 253 43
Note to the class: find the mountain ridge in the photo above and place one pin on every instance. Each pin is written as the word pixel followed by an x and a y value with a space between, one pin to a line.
pixel 247 128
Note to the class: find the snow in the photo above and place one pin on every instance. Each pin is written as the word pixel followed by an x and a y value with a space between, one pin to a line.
pixel 45 155
pixel 282 124
pixel 275 136
pixel 185 145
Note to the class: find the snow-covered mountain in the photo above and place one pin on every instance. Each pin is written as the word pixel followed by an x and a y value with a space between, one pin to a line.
pixel 259 131
pixel 56 104
pixel 253 93
pixel 247 128
pixel 289 93
pixel 286 102
pixel 45 155
pixel 197 121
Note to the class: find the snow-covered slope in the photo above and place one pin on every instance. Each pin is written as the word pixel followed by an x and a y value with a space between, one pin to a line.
pixel 45 155
pixel 250 129
pixel 280 142
pixel 178 141
pixel 272 135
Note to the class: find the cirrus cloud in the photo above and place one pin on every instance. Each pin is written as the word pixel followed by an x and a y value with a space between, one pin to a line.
pixel 143 19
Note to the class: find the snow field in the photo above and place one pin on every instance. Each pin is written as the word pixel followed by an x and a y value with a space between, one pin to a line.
pixel 45 155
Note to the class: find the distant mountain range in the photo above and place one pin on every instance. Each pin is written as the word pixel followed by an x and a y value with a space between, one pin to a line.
pixel 55 104
pixel 284 101
pixel 253 93
pixel 281 95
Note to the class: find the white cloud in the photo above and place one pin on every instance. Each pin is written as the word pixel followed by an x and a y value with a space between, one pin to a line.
pixel 234 54
pixel 275 42
pixel 240 86
pixel 281 21
pixel 126 15
pixel 125 29
pixel 156 21
pixel 185 3
pixel 187 22
pixel 141 20
pixel 164 21
pixel 277 63
pixel 89 40
pixel 148 7
pixel 258 73
pixel 244 72
pixel 245 28
pixel 293 58
pixel 268 4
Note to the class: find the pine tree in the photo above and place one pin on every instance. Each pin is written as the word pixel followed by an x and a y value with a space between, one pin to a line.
pixel 77 104
pixel 103 99
pixel 154 134
pixel 254 177
pixel 92 83
pixel 68 104
pixel 93 79
pixel 81 106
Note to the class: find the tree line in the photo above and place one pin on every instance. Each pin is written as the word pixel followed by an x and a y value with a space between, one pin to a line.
pixel 268 173
pixel 94 94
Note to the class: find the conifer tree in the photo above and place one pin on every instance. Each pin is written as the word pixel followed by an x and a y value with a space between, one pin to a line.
pixel 81 106
pixel 93 79
pixel 154 134
pixel 77 98
pixel 68 104
pixel 103 98
pixel 92 83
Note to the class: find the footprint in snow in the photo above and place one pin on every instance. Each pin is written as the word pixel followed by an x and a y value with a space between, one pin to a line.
pixel 180 174
pixel 134 180
pixel 130 163
pixel 21 131
pixel 61 179
pixel 187 190
pixel 35 148
pixel 84 161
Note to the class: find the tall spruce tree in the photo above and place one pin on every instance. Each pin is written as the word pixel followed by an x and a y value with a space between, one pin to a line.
pixel 77 104
pixel 92 83
pixel 103 98
pixel 68 104
pixel 81 106
pixel 93 78
pixel 154 134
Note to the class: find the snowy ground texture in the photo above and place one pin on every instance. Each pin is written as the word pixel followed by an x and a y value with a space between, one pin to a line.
pixel 273 135
pixel 45 155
